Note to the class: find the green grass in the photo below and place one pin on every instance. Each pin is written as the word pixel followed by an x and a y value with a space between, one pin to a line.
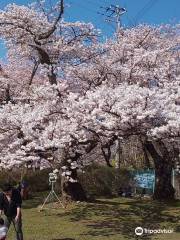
pixel 103 219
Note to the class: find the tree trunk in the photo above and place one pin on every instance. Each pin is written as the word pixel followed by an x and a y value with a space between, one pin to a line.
pixel 163 168
pixel 75 191
pixel 163 187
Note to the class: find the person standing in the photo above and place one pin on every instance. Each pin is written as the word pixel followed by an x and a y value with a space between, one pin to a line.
pixel 24 190
pixel 10 204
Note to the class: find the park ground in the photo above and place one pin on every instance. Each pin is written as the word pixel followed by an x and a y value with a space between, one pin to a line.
pixel 102 219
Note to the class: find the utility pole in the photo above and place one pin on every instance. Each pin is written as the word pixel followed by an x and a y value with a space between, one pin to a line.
pixel 113 13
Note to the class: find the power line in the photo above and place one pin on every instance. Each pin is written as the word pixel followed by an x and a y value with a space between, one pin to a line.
pixel 144 10
pixel 131 22
pixel 113 13
pixel 84 7
pixel 93 3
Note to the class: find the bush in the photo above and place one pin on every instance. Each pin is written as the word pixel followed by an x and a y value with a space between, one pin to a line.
pixel 37 181
pixel 98 180
pixel 101 180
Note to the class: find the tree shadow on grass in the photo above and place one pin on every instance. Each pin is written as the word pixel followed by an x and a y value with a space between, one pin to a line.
pixel 118 216
pixel 108 218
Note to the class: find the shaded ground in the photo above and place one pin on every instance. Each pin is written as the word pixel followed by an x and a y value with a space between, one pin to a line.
pixel 114 219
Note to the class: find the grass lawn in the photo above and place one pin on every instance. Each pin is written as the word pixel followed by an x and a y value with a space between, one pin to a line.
pixel 103 219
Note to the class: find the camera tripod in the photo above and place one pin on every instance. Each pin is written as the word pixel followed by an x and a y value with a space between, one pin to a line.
pixel 52 195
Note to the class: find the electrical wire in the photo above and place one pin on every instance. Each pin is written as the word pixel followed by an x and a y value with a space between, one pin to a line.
pixel 144 10
pixel 131 23
pixel 91 3
pixel 84 7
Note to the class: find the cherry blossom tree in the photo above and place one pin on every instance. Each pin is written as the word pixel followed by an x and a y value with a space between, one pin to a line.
pixel 41 45
pixel 133 89
pixel 63 93
pixel 43 40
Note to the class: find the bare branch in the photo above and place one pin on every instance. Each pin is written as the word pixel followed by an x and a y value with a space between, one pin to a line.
pixel 34 72
pixel 51 31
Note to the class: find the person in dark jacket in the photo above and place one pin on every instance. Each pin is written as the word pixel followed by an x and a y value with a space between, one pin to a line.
pixel 10 204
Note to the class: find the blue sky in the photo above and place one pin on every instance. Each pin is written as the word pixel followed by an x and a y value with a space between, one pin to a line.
pixel 138 11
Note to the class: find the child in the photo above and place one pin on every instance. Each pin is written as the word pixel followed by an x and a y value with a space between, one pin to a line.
pixel 3 229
